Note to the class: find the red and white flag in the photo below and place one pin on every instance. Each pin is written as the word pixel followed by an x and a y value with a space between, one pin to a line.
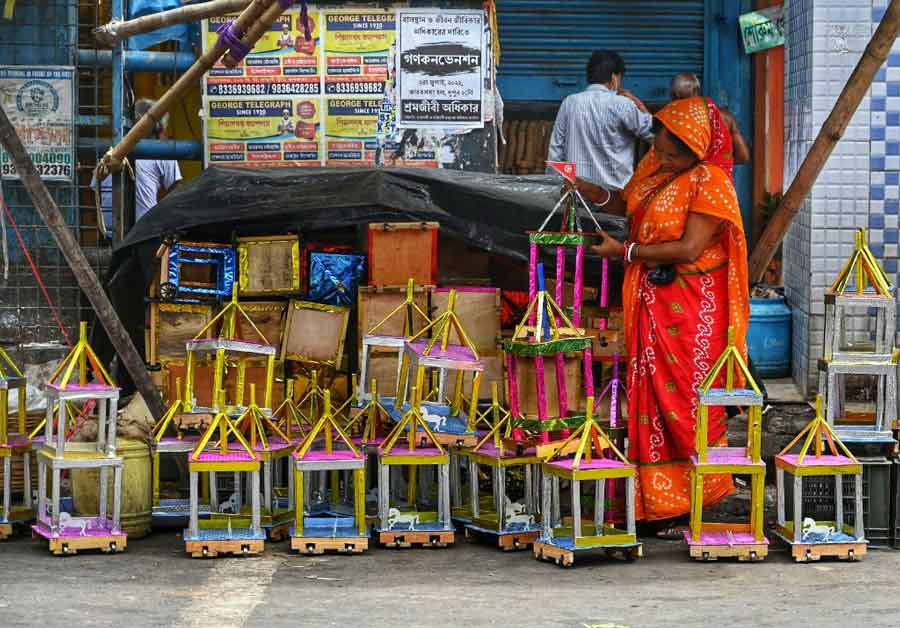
pixel 565 168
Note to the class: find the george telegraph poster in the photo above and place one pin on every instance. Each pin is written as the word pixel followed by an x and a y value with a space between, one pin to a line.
pixel 440 82
pixel 357 48
pixel 39 102
pixel 263 131
pixel 266 111
pixel 351 131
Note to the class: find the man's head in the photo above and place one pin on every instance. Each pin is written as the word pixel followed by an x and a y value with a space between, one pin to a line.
pixel 285 28
pixel 286 113
pixel 141 107
pixel 605 67
pixel 685 85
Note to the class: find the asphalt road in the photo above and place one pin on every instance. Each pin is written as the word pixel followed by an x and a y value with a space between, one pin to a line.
pixel 155 584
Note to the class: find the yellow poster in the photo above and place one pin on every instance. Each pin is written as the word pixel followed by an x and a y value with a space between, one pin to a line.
pixel 282 63
pixel 351 125
pixel 263 132
pixel 359 47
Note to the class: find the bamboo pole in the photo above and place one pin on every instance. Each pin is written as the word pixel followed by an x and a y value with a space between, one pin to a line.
pixel 115 158
pixel 117 30
pixel 872 59
pixel 81 268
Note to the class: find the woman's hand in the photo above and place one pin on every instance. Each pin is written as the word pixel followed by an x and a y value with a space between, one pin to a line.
pixel 608 247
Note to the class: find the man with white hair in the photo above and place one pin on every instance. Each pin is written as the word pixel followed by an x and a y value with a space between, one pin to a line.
pixel 687 85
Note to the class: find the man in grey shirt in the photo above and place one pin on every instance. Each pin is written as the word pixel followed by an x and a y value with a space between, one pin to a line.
pixel 598 128
pixel 151 176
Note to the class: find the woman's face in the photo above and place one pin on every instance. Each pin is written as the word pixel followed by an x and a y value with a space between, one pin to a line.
pixel 671 157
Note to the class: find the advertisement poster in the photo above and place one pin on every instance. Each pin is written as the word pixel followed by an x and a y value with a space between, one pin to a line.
pixel 357 46
pixel 350 137
pixel 258 132
pixel 440 80
pixel 282 63
pixel 39 102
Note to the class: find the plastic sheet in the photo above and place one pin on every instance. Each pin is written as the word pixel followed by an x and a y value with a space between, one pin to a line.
pixel 334 278
pixel 174 32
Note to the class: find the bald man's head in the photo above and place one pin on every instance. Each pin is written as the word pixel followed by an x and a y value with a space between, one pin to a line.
pixel 685 85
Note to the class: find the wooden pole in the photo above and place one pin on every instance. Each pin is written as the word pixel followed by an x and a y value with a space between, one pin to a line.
pixel 857 85
pixel 116 31
pixel 114 159
pixel 84 274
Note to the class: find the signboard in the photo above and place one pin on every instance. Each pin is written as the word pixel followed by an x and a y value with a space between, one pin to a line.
pixel 762 29
pixel 440 56
pixel 357 48
pixel 266 111
pixel 39 102
pixel 335 100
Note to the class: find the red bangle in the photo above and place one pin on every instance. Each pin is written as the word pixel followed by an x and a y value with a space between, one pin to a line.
pixel 624 249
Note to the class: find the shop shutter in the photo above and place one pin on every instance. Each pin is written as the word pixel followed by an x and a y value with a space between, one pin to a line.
pixel 545 45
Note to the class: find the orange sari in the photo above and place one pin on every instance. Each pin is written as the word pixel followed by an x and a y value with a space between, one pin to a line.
pixel 675 332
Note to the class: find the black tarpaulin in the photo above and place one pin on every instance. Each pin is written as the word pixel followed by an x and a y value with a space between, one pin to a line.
pixel 490 212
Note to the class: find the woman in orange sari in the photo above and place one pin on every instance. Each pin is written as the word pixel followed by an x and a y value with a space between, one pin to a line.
pixel 685 284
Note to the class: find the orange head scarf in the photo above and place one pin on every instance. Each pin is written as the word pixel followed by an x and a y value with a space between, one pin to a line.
pixel 659 202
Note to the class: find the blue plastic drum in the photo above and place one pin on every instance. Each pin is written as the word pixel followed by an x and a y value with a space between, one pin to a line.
pixel 769 336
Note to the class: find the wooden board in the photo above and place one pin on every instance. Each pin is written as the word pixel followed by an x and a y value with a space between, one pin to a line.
pixel 509 542
pixel 315 333
pixel 171 326
pixel 268 316
pixel 399 251
pixel 6 531
pixel 551 553
pixel 566 558
pixel 278 532
pixel 375 303
pixel 494 371
pixel 478 309
pixel 72 545
pixel 744 553
pixel 214 548
pixel 811 552
pixel 408 538
pixel 255 373
pixel 528 393
pixel 268 265
pixel 319 545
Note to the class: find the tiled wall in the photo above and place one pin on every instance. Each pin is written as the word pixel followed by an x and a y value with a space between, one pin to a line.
pixel 824 40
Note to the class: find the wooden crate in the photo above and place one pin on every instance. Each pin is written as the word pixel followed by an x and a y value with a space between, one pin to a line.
pixel 588 293
pixel 255 373
pixel 203 382
pixel 171 326
pixel 478 309
pixel 399 251
pixel 268 265
pixel 528 392
pixel 460 263
pixel 374 303
pixel 268 316
pixel 315 333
